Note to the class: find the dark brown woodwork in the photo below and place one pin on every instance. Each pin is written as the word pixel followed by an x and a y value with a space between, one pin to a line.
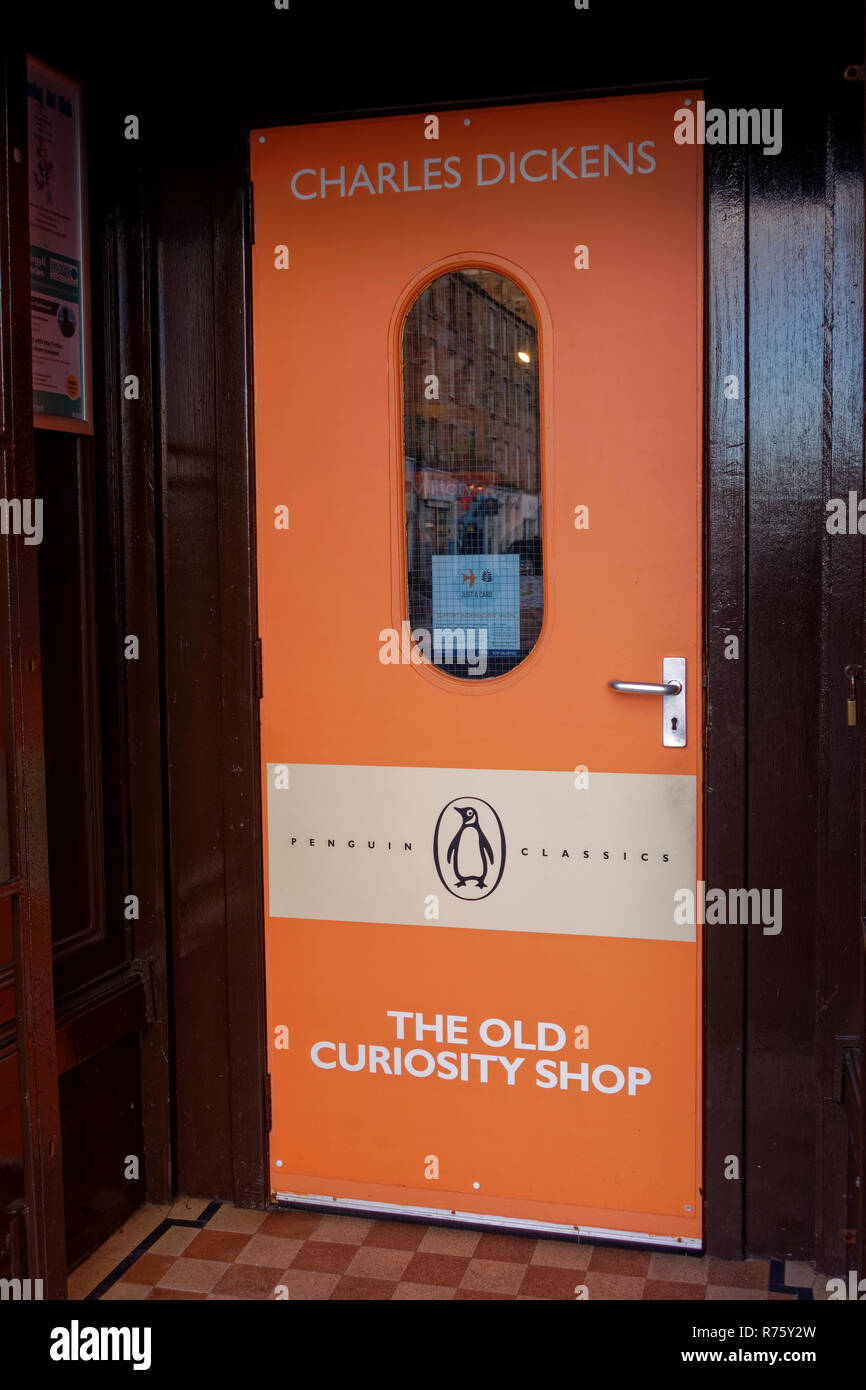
pixel 725 858
pixel 98 1015
pixel 98 995
pixel 212 712
pixel 787 309
pixel 101 1133
pixel 190 578
pixel 242 827
pixel 121 212
pixel 838 984
pixel 805 219
pixel 786 225
pixel 103 718
pixel 70 705
pixel 36 1225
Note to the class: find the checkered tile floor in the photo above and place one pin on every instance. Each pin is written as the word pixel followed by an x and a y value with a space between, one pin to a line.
pixel 200 1250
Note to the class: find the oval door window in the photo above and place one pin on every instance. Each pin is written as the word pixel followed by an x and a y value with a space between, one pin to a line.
pixel 471 443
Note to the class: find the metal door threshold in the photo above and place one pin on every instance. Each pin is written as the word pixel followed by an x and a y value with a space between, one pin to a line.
pixel 516 1225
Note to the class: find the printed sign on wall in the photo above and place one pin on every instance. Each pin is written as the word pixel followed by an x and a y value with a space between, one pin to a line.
pixel 58 239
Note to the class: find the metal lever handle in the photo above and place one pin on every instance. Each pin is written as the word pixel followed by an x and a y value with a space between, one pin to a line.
pixel 672 688
pixel 646 687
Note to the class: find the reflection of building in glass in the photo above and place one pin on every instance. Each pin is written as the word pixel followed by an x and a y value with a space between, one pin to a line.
pixel 471 433
pixel 473 452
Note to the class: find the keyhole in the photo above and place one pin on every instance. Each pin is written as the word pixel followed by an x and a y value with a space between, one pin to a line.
pixel 674 723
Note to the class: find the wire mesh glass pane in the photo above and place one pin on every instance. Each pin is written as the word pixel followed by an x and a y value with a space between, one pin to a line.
pixel 471 441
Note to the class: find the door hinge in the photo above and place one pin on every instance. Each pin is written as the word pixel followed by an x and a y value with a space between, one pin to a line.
pixel 267 1102
pixel 260 689
pixel 251 214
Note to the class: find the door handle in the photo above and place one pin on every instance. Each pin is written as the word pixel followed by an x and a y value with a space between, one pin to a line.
pixel 646 687
pixel 673 690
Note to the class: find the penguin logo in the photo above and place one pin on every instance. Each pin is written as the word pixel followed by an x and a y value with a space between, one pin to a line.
pixel 469 848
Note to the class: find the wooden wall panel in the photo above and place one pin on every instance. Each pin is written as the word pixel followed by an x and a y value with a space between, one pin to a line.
pixel 805 395
pixel 101 1131
pixel 127 481
pixel 192 677
pixel 210 697
pixel 239 694
pixel 839 987
pixel 786 226
pixel 727 684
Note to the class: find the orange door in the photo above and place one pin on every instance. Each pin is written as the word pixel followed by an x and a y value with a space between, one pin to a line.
pixel 477 357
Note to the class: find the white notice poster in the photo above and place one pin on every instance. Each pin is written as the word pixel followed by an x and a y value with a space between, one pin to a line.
pixel 58 295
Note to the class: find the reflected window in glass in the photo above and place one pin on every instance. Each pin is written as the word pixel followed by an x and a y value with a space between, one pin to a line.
pixel 473 474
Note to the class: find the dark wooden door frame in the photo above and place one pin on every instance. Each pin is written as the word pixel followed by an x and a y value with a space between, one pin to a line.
pixel 43 1166
pixel 839 940
pixel 725 751
pixel 781 703
pixel 232 219
pixel 206 521
pixel 122 210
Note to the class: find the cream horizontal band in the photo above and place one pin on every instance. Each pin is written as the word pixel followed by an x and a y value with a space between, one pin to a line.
pixel 481 849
